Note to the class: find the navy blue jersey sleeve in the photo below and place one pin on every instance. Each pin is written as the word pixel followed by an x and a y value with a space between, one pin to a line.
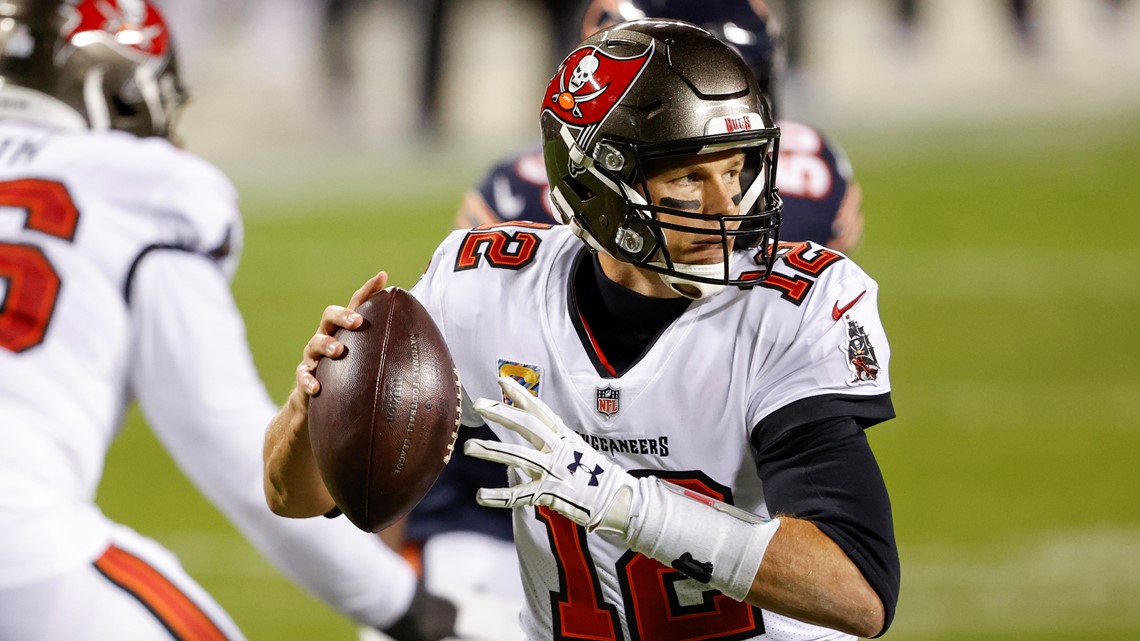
pixel 813 176
pixel 824 471
pixel 516 189
pixel 450 504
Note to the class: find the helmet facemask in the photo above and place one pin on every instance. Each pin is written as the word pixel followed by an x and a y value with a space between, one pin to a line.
pixel 640 237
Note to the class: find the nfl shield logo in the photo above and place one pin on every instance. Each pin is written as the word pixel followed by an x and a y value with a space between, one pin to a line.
pixel 609 400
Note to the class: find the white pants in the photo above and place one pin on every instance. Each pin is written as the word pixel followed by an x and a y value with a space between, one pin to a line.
pixel 465 562
pixel 136 591
pixel 480 574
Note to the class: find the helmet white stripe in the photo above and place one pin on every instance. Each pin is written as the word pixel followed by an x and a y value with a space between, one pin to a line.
pixel 152 96
pixel 97 111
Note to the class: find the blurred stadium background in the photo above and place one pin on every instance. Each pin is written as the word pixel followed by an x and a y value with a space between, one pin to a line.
pixel 1002 191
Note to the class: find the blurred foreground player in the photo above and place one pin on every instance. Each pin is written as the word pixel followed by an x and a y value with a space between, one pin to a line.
pixel 116 249
pixel 681 400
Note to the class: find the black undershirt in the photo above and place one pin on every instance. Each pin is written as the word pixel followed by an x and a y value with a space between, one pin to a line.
pixel 623 322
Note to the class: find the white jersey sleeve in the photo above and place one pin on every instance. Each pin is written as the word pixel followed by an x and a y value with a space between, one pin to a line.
pixel 838 353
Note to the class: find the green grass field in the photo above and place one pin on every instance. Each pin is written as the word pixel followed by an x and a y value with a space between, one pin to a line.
pixel 1009 264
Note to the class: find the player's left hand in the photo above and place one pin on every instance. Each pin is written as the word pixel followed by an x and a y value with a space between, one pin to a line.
pixel 566 473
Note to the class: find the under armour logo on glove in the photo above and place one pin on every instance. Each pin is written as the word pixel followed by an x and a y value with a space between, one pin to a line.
pixel 577 464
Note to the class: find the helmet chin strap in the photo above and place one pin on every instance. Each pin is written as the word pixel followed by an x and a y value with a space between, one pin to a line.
pixel 690 288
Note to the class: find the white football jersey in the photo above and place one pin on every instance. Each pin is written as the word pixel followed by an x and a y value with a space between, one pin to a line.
pixel 684 412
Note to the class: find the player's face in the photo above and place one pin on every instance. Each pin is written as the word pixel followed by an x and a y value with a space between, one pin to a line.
pixel 708 185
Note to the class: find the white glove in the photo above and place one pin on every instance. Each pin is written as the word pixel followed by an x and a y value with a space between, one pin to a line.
pixel 710 541
pixel 566 474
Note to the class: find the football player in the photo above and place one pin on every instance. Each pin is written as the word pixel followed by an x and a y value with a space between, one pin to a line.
pixel 116 250
pixel 451 536
pixel 676 394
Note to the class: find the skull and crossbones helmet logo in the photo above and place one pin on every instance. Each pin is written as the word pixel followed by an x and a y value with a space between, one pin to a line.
pixel 568 97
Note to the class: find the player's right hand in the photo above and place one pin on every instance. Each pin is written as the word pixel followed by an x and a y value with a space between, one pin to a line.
pixel 323 345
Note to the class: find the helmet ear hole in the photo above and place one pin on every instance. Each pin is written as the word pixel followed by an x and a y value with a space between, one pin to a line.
pixel 122 107
pixel 580 190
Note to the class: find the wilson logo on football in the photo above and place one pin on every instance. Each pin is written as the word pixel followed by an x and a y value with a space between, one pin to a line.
pixel 589 83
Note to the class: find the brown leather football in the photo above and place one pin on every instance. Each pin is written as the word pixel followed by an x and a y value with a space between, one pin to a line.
pixel 387 415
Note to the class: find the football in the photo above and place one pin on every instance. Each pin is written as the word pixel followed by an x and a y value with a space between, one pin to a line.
pixel 385 420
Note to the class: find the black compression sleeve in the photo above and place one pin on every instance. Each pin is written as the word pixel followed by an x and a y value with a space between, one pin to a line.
pixel 824 472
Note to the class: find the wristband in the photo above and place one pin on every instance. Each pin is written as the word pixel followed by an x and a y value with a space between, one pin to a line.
pixel 708 540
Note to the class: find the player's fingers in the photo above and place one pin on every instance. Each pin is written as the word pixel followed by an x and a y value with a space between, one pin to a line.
pixel 306 382
pixel 527 402
pixel 577 513
pixel 336 317
pixel 507 496
pixel 504 453
pixel 321 346
pixel 374 285
pixel 518 421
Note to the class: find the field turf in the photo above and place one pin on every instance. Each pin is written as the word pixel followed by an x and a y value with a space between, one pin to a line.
pixel 1009 265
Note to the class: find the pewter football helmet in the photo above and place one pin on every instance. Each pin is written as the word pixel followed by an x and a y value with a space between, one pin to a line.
pixel 646 90
pixel 112 61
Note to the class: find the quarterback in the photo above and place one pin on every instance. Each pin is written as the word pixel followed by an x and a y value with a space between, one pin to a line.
pixel 116 249
pixel 822 203
pixel 680 398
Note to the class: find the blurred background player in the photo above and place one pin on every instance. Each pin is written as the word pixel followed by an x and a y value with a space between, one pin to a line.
pixel 116 250
pixel 460 543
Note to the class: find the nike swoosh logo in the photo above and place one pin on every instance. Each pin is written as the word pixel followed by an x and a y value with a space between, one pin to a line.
pixel 837 312
pixel 509 205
